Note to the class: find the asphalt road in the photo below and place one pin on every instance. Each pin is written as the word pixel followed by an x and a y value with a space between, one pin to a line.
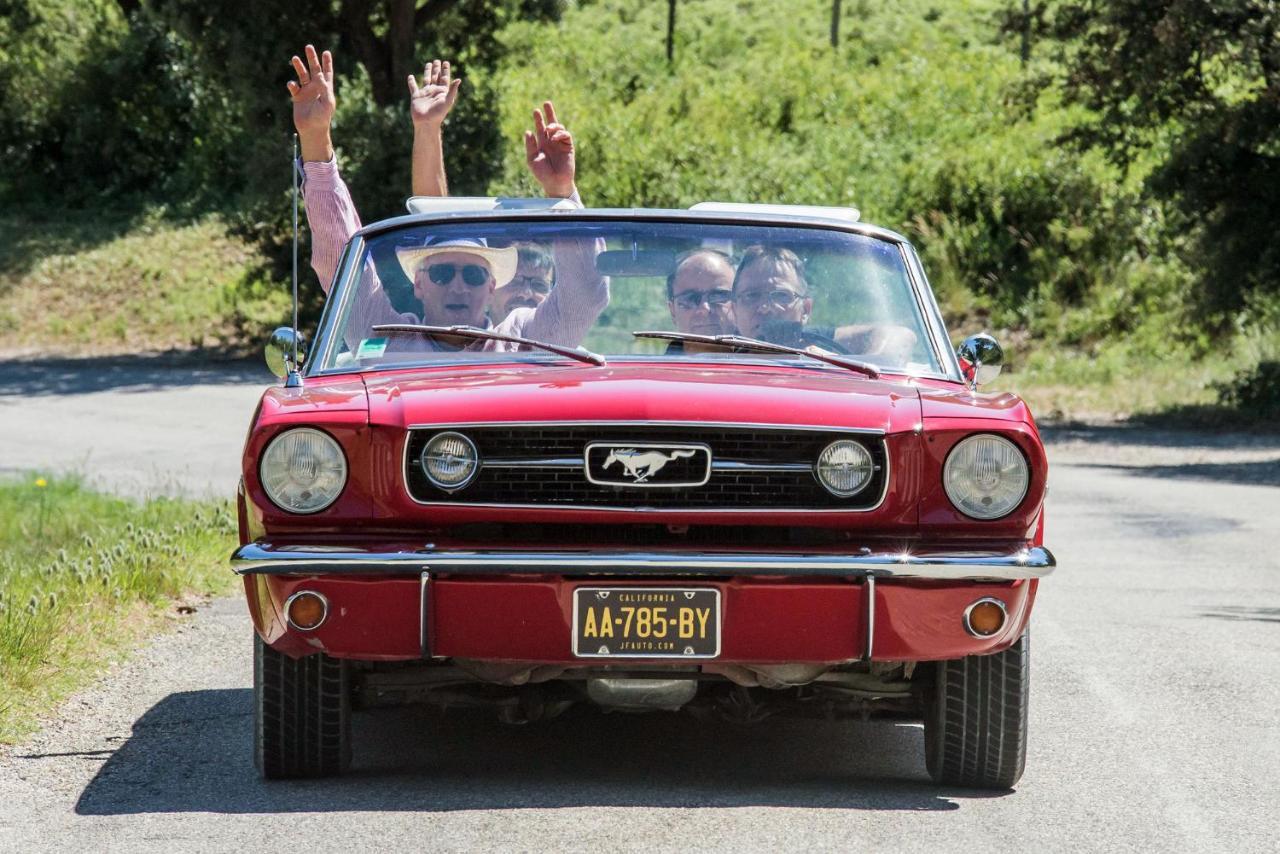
pixel 1155 692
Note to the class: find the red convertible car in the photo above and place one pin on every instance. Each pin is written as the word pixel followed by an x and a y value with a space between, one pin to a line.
pixel 722 459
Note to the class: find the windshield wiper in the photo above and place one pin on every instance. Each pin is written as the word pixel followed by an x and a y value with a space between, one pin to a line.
pixel 755 345
pixel 477 334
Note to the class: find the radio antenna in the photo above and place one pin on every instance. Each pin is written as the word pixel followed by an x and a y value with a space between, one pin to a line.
pixel 294 378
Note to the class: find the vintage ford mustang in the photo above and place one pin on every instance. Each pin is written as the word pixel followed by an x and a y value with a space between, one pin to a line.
pixel 722 459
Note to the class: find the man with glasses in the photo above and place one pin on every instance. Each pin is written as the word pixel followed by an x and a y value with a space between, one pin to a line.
pixel 771 302
pixel 700 293
pixel 770 294
pixel 534 278
pixel 477 270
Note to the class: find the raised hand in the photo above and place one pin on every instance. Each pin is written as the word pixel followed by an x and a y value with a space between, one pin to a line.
pixel 548 150
pixel 431 102
pixel 313 103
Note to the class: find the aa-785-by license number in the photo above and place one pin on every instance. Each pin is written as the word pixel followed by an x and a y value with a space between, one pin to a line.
pixel 648 622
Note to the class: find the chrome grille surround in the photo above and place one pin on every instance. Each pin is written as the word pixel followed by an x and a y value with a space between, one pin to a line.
pixel 760 468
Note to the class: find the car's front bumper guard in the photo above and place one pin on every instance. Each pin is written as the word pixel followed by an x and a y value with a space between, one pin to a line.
pixel 1020 564
pixel 1013 565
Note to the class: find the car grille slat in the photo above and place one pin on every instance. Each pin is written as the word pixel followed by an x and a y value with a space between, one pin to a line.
pixel 515 478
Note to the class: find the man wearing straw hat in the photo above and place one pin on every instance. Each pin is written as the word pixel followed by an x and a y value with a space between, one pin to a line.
pixel 454 280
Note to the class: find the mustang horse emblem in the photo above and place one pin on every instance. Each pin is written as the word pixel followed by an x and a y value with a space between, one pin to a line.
pixel 642 465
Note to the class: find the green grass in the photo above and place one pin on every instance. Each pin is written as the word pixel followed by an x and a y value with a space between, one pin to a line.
pixel 84 576
pixel 100 283
pixel 1117 380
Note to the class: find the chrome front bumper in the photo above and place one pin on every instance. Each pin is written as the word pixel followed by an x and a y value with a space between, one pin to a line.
pixel 1019 564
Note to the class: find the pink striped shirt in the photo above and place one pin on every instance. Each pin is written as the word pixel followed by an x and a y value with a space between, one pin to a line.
pixel 564 317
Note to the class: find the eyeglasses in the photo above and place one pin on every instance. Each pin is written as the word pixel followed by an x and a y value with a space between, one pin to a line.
pixel 689 300
pixel 780 298
pixel 472 274
pixel 533 283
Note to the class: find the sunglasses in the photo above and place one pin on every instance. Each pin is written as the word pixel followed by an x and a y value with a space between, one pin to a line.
pixel 689 300
pixel 780 298
pixel 533 283
pixel 473 275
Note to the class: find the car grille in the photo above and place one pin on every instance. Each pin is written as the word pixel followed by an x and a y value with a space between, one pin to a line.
pixel 542 465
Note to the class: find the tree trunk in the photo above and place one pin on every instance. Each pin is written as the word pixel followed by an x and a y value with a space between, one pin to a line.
pixel 671 31
pixel 835 23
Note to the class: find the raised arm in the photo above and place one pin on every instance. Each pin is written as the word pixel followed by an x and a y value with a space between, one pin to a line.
pixel 568 313
pixel 331 215
pixel 429 104
pixel 549 153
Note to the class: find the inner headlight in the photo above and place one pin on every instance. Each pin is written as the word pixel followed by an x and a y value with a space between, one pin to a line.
pixel 450 460
pixel 845 468
pixel 985 476
pixel 303 470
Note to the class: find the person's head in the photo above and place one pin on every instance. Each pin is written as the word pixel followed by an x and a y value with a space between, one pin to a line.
pixel 454 279
pixel 700 293
pixel 535 275
pixel 769 286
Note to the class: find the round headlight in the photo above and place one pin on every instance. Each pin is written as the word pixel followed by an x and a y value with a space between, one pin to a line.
pixel 985 476
pixel 303 470
pixel 450 460
pixel 845 468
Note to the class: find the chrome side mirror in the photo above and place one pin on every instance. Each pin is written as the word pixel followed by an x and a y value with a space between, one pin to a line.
pixel 985 358
pixel 279 351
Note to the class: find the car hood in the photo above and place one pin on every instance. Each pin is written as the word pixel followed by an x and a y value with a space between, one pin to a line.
pixel 748 394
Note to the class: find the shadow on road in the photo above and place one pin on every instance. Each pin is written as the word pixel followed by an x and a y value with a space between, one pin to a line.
pixel 191 753
pixel 1255 473
pixel 150 372
pixel 1159 436
pixel 1238 613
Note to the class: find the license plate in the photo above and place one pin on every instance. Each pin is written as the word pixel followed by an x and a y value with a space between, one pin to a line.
pixel 646 622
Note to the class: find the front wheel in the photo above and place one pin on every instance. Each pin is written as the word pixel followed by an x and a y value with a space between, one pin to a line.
pixel 301 714
pixel 975 721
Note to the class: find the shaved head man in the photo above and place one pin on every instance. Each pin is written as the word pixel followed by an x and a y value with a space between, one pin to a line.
pixel 700 293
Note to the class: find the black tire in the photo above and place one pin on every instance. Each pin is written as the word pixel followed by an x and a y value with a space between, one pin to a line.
pixel 975 719
pixel 301 714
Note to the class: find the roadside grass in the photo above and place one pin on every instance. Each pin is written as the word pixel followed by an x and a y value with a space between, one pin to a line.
pixel 80 283
pixel 85 576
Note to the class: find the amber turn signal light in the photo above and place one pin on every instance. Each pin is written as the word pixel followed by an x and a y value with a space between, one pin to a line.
pixel 306 610
pixel 985 617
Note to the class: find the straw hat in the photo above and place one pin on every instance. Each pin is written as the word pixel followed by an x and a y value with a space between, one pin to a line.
pixel 501 262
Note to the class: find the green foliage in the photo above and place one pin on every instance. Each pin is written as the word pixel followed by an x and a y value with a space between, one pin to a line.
pixel 1198 83
pixel 80 573
pixel 158 285
pixel 1255 391
pixel 922 118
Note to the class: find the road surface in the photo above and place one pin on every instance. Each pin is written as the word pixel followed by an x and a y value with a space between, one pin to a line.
pixel 1155 689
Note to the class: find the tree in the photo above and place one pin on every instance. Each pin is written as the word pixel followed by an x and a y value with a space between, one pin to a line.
pixel 1198 86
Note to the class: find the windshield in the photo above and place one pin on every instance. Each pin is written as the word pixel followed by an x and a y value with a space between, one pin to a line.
pixel 594 283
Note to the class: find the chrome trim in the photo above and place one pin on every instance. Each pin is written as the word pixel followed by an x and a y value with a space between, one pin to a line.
pixel 544 463
pixel 857 431
pixel 426 472
pixel 870 592
pixel 730 465
pixel 1003 610
pixel 324 615
pixel 674 446
pixel 423 602
pixel 726 425
pixel 334 305
pixel 1011 565
pixel 676 215
pixel 927 302
pixel 575 463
